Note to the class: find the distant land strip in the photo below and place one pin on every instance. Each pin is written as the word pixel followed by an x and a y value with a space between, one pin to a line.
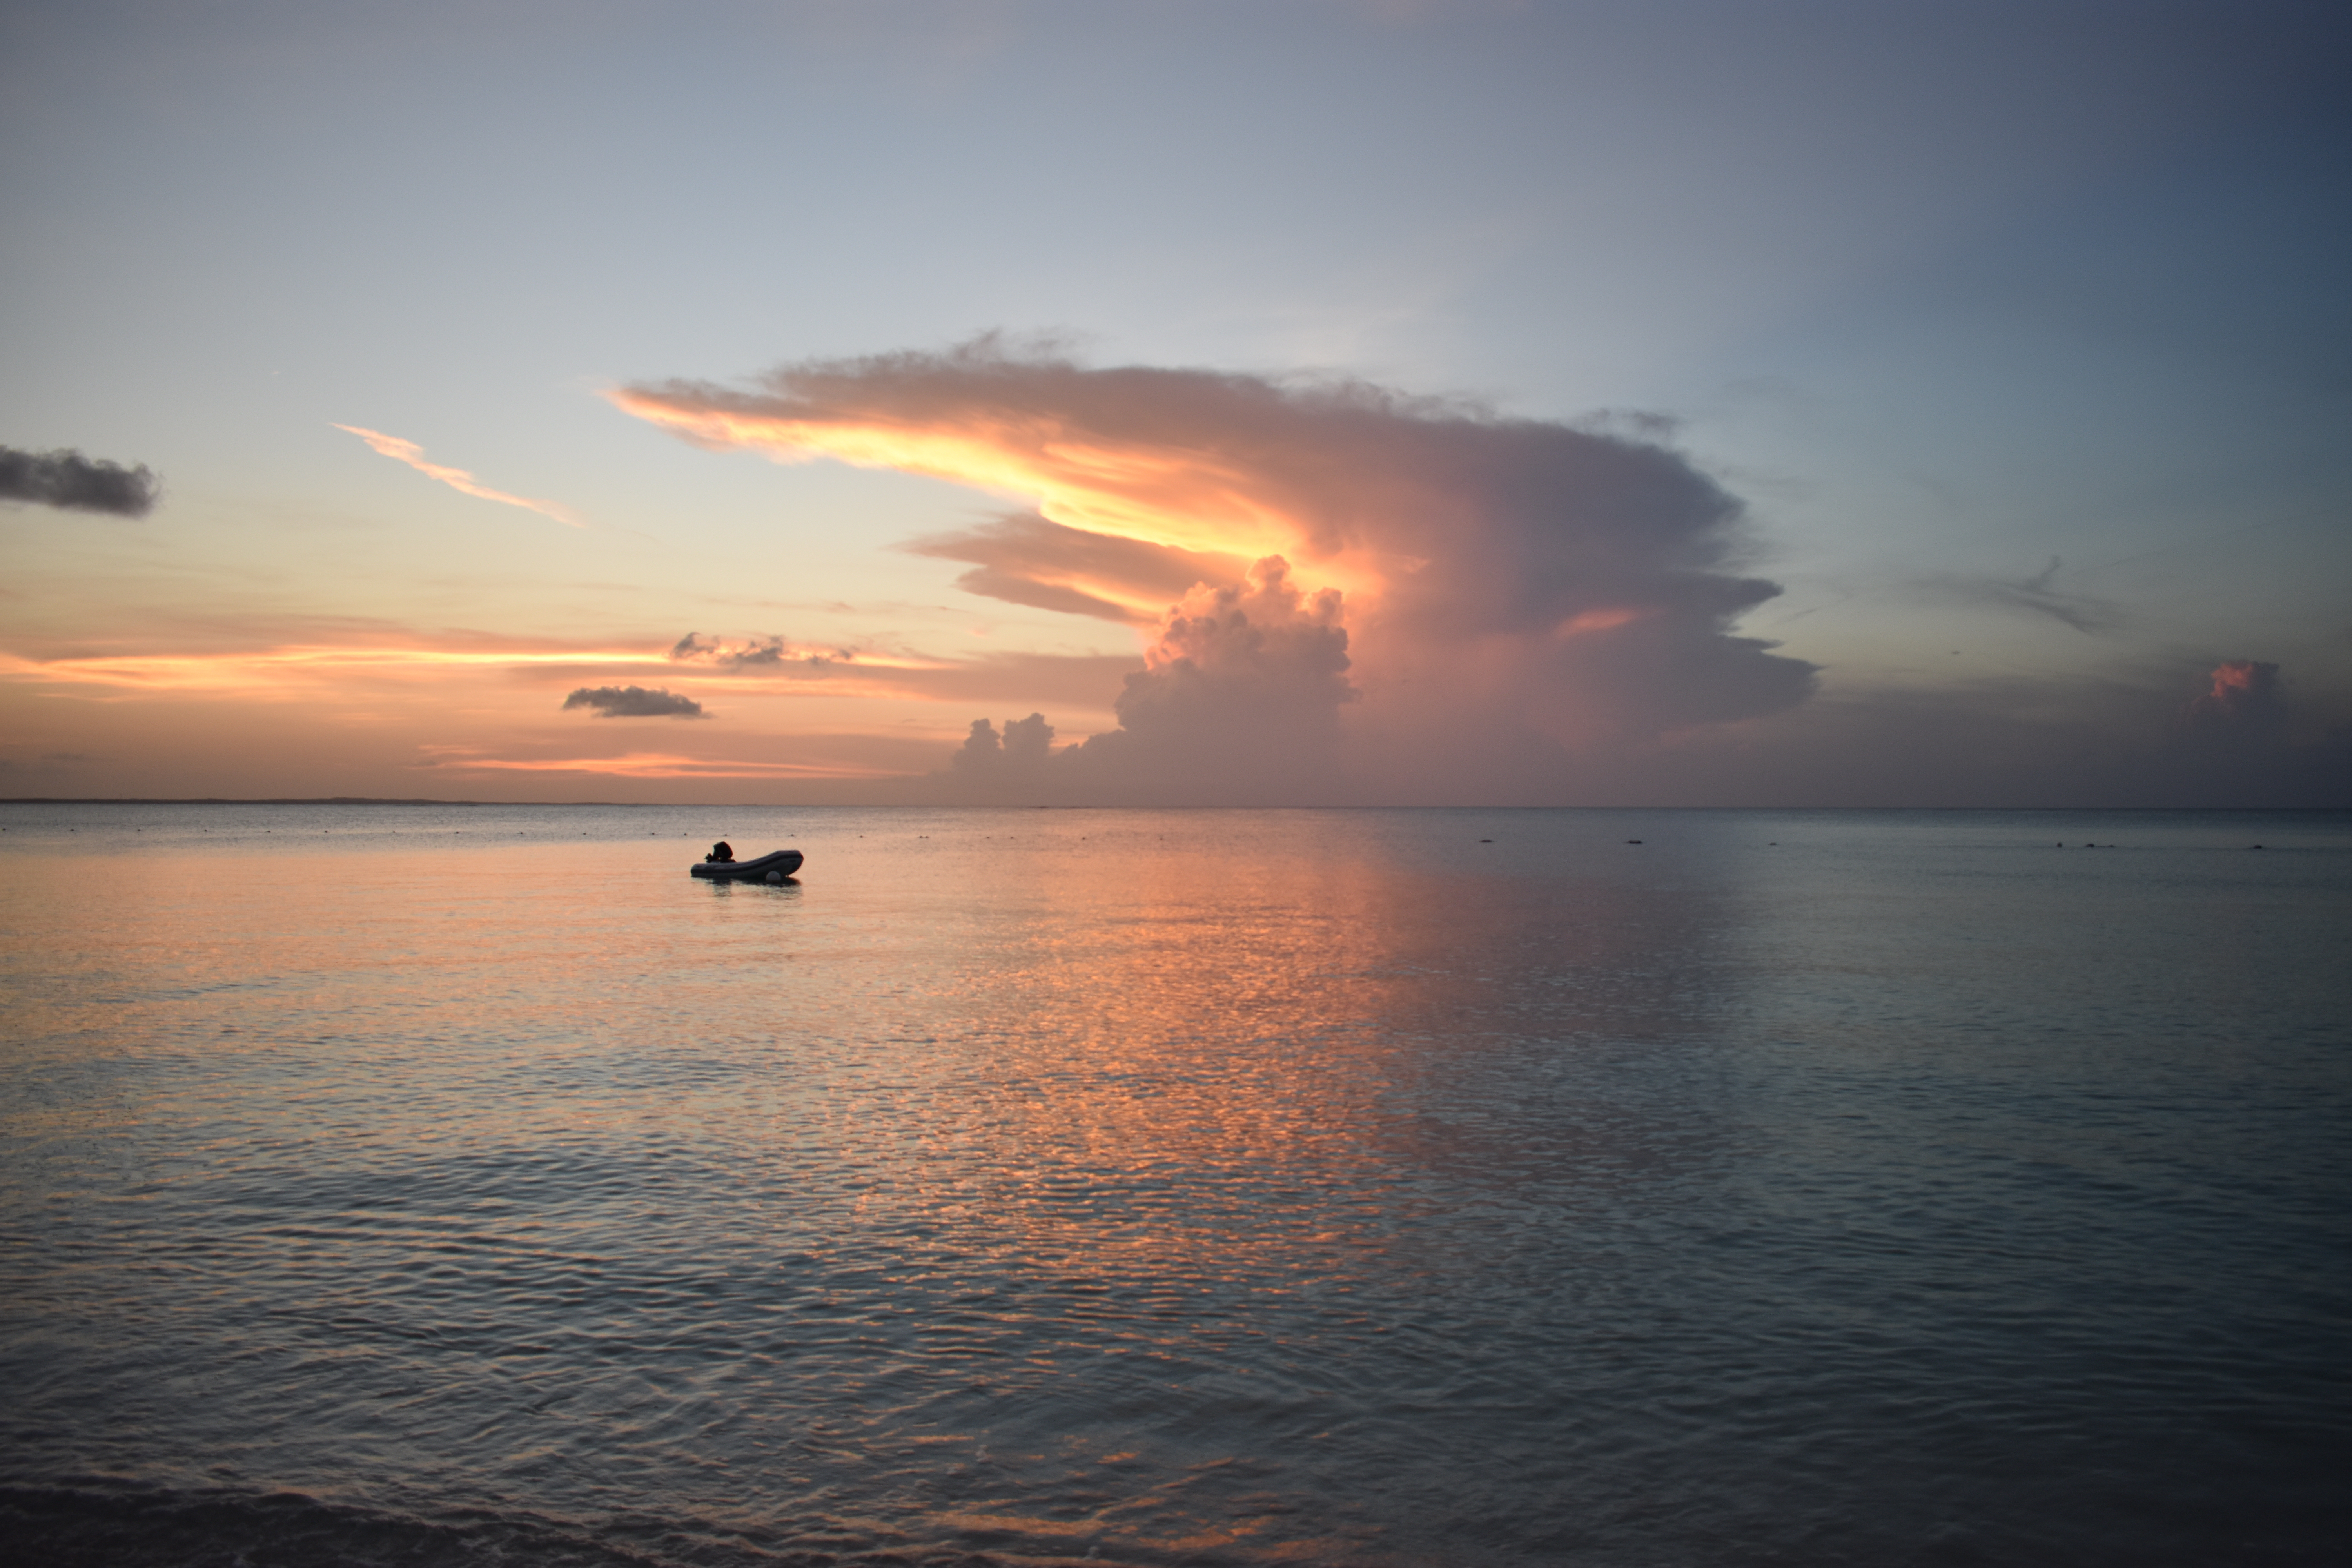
pixel 274 800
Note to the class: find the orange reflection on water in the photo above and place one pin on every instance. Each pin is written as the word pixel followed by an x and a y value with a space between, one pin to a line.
pixel 1208 1067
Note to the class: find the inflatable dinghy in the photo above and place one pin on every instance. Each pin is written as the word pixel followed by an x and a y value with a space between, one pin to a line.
pixel 773 868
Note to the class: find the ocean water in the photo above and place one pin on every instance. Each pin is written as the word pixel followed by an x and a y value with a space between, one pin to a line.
pixel 469 1185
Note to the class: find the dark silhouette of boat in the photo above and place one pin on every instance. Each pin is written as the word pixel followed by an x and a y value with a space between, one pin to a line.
pixel 773 868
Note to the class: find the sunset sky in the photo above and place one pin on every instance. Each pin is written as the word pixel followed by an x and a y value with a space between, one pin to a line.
pixel 1288 402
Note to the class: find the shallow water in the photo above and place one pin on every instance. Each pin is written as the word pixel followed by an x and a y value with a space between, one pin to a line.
pixel 1154 1187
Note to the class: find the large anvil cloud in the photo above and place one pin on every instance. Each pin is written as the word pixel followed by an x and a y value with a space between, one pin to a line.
pixel 1504 590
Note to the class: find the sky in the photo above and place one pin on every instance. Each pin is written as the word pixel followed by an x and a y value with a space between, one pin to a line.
pixel 1295 402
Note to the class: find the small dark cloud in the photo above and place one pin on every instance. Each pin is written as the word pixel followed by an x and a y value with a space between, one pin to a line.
pixel 772 653
pixel 66 479
pixel 634 703
pixel 2081 611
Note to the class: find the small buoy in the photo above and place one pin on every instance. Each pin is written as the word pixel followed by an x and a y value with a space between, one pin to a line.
pixel 2258 846
pixel 775 875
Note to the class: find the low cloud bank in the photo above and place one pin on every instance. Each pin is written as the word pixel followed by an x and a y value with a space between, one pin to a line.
pixel 1349 592
pixel 634 703
pixel 66 480
pixel 2163 740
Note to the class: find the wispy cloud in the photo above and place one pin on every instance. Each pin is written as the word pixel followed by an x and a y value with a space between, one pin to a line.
pixel 67 479
pixel 2035 595
pixel 412 454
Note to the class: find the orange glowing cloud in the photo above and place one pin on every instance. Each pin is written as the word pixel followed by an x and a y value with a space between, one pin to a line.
pixel 412 454
pixel 1024 559
pixel 2244 691
pixel 1201 498
pixel 2239 677
pixel 263 670
pixel 1589 622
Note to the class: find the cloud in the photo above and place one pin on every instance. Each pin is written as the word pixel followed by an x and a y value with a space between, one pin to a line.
pixel 769 653
pixel 1018 754
pixel 2034 594
pixel 2238 731
pixel 2005 741
pixel 634 703
pixel 2242 741
pixel 1239 699
pixel 2244 692
pixel 1446 593
pixel 775 663
pixel 412 454
pixel 1023 559
pixel 67 479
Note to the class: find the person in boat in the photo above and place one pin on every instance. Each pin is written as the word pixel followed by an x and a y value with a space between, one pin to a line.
pixel 722 853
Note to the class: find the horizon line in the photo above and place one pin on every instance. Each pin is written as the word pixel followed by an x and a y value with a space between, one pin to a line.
pixel 1030 806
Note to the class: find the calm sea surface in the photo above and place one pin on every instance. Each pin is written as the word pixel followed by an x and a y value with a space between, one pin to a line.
pixel 469 1185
